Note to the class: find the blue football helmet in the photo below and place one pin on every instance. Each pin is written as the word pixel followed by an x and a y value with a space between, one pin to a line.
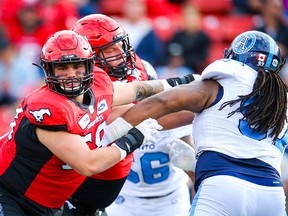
pixel 257 50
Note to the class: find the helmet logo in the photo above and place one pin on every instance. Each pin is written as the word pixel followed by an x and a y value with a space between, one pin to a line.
pixel 64 57
pixel 275 63
pixel 243 43
pixel 118 36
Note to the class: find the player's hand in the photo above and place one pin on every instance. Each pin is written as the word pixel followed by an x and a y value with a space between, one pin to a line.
pixel 182 155
pixel 145 132
pixel 150 129
pixel 118 128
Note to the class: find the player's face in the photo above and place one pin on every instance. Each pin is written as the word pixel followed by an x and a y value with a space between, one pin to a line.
pixel 114 53
pixel 70 71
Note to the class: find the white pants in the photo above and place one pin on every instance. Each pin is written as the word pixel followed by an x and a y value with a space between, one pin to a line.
pixel 231 196
pixel 175 204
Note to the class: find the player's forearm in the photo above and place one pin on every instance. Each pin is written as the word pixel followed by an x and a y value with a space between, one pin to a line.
pixel 103 158
pixel 73 150
pixel 153 107
pixel 99 160
pixel 125 93
pixel 176 119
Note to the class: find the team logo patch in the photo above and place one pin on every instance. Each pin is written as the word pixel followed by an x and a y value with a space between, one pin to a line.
pixel 84 121
pixel 102 107
pixel 244 43
pixel 39 114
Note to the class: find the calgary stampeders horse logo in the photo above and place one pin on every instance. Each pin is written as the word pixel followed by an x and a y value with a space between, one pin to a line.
pixel 39 114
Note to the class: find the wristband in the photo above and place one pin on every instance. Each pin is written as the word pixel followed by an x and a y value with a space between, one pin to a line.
pixel 115 130
pixel 175 81
pixel 197 77
pixel 129 142
pixel 123 153
pixel 166 85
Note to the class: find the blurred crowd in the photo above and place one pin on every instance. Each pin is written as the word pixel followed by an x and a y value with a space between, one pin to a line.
pixel 176 36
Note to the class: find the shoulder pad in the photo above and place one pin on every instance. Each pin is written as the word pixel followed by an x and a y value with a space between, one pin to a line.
pixel 152 75
pixel 46 108
pixel 219 69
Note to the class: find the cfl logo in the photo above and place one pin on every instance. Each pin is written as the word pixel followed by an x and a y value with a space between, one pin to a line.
pixel 275 63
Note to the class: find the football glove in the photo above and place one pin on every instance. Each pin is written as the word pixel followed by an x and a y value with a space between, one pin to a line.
pixel 182 155
pixel 145 132
pixel 115 130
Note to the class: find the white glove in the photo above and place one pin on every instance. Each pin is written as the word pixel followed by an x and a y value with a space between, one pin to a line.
pixel 143 133
pixel 150 129
pixel 182 155
pixel 115 130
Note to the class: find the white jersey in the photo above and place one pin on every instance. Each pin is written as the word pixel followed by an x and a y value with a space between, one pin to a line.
pixel 237 171
pixel 232 136
pixel 154 186
pixel 151 173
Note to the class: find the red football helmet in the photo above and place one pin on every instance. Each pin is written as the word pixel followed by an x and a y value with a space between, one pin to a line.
pixel 102 32
pixel 67 47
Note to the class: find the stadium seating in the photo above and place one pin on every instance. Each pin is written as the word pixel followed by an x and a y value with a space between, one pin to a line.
pixel 213 6
pixel 233 25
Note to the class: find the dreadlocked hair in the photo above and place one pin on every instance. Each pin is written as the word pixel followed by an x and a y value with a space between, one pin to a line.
pixel 267 104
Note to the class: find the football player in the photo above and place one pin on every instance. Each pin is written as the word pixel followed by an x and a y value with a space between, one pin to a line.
pixel 116 56
pixel 55 140
pixel 240 128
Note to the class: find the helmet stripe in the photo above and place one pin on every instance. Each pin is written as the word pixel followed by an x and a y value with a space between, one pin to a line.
pixel 270 56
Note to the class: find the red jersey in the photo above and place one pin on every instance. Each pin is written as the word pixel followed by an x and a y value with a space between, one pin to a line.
pixel 100 190
pixel 122 169
pixel 29 170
